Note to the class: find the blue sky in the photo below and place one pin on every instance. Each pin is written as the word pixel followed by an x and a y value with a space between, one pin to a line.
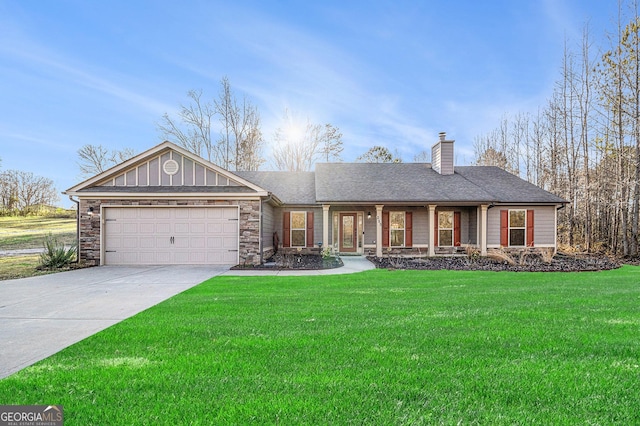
pixel 386 73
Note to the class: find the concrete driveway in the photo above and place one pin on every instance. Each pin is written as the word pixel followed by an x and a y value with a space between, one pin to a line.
pixel 40 316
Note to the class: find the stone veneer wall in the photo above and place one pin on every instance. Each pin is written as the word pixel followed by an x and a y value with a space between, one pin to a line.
pixel 249 225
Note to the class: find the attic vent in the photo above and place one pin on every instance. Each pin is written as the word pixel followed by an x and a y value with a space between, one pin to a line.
pixel 170 167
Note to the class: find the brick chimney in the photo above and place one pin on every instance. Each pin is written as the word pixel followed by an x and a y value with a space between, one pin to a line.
pixel 442 155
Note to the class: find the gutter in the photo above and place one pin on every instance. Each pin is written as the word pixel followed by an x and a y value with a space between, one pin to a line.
pixel 77 228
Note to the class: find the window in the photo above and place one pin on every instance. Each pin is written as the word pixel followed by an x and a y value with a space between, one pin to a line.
pixel 445 229
pixel 397 228
pixel 517 227
pixel 298 229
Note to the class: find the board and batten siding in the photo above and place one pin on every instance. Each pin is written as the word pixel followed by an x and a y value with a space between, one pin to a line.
pixel 152 173
pixel 544 219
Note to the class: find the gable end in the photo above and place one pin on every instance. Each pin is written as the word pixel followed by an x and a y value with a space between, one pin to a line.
pixel 169 169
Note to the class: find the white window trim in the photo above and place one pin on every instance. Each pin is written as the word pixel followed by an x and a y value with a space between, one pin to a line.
pixel 509 227
pixel 291 228
pixel 453 217
pixel 404 230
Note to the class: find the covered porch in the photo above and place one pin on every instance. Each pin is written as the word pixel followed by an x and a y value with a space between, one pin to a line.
pixel 417 230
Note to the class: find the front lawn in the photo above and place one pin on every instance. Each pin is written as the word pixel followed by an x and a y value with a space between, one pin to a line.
pixel 380 347
pixel 18 232
pixel 19 266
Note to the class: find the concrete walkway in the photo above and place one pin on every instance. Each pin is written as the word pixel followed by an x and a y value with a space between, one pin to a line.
pixel 42 315
pixel 352 264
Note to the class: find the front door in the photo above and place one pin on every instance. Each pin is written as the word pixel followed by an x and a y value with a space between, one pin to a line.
pixel 348 234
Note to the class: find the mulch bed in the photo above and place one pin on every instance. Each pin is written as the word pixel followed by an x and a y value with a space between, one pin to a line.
pixel 279 262
pixel 532 263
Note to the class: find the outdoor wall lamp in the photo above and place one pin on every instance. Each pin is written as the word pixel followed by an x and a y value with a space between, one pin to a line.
pixel 368 215
pixel 91 213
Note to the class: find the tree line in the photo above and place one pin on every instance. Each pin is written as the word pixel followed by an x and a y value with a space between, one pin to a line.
pixel 584 143
pixel 23 193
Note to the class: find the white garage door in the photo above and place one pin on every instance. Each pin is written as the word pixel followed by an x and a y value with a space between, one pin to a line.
pixel 170 235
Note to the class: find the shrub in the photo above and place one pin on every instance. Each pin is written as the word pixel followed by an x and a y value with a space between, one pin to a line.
pixel 327 253
pixel 55 254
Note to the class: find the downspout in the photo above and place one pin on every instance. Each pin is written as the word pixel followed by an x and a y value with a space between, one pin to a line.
pixel 262 201
pixel 77 228
pixel 558 208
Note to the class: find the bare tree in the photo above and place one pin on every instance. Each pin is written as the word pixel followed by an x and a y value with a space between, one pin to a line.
pixel 491 149
pixel 491 157
pixel 95 159
pixel 422 157
pixel 520 138
pixel 24 193
pixel 193 129
pixel 616 77
pixel 379 154
pixel 585 105
pixel 299 145
pixel 240 143
pixel 630 44
pixel 331 146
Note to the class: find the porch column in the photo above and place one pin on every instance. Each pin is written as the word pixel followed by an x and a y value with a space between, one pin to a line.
pixel 483 229
pixel 325 226
pixel 379 230
pixel 432 223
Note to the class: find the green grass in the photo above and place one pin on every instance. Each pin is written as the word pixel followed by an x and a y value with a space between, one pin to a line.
pixel 29 232
pixel 18 266
pixel 26 233
pixel 380 347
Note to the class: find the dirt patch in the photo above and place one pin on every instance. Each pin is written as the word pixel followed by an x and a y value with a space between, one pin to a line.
pixel 279 262
pixel 532 263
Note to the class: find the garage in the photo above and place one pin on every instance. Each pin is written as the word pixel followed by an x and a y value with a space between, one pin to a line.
pixel 158 235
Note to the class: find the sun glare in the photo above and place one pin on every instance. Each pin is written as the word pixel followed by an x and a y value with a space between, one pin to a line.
pixel 294 132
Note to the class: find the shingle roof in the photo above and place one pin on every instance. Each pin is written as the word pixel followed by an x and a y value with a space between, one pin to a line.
pixel 289 187
pixel 398 182
pixel 392 182
pixel 506 187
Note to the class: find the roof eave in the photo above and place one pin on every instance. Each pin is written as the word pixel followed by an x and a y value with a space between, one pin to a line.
pixel 165 195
